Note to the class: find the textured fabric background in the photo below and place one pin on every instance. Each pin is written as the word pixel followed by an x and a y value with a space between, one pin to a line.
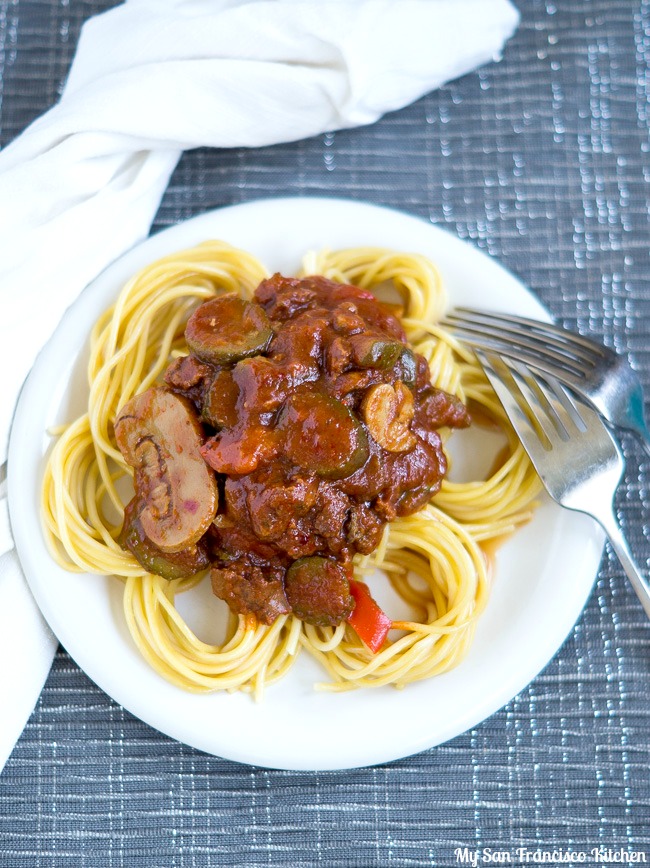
pixel 543 161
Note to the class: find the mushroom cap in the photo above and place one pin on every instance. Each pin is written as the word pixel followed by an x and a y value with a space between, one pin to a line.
pixel 160 436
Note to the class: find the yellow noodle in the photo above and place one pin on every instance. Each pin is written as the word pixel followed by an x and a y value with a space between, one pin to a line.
pixel 433 559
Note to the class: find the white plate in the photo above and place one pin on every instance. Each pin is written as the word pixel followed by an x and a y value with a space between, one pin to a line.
pixel 544 574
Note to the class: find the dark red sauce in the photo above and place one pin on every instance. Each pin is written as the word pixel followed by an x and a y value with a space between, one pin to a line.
pixel 320 424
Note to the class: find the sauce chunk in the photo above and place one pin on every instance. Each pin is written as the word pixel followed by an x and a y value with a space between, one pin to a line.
pixel 320 423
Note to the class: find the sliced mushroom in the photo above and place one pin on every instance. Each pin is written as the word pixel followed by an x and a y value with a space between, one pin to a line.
pixel 160 437
pixel 169 565
pixel 388 411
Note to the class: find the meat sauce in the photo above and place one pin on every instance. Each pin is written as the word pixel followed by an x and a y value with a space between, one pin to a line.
pixel 314 424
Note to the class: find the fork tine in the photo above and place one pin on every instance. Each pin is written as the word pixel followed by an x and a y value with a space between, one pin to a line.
pixel 515 345
pixel 575 419
pixel 572 419
pixel 545 346
pixel 545 406
pixel 550 405
pixel 534 438
pixel 552 335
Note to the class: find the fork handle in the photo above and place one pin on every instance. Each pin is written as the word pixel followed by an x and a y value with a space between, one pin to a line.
pixel 621 548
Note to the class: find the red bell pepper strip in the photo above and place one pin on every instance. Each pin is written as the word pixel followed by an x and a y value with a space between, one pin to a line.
pixel 368 621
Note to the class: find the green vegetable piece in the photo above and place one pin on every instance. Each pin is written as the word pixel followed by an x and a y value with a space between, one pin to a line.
pixel 322 435
pixel 169 565
pixel 228 328
pixel 407 368
pixel 369 351
pixel 318 591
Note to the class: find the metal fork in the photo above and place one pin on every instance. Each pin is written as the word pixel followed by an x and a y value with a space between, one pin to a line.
pixel 572 449
pixel 595 372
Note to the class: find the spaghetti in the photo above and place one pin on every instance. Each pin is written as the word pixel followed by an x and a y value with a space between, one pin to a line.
pixel 434 560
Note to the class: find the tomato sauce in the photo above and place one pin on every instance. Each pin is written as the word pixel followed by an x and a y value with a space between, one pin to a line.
pixel 320 424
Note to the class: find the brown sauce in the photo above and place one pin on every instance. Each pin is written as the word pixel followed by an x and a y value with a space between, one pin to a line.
pixel 320 424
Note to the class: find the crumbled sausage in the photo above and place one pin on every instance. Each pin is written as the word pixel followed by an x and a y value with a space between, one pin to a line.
pixel 323 427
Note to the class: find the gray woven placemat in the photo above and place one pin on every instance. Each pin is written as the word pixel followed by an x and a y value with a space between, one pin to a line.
pixel 543 161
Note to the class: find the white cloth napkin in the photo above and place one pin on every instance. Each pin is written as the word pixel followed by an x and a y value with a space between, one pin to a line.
pixel 154 77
